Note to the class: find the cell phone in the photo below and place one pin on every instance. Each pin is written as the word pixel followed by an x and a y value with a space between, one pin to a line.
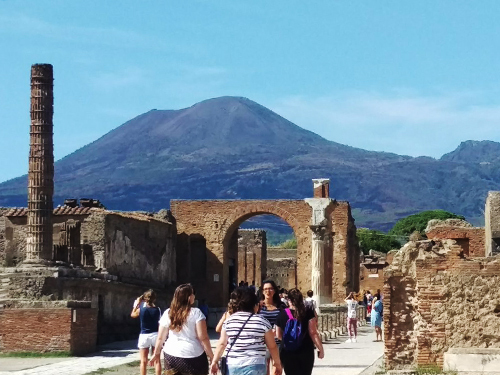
pixel 317 353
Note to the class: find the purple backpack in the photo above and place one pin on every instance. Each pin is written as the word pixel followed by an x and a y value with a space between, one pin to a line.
pixel 292 335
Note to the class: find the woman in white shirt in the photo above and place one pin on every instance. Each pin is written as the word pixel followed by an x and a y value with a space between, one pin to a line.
pixel 188 345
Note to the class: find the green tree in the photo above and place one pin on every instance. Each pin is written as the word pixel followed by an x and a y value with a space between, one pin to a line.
pixel 370 239
pixel 289 244
pixel 418 222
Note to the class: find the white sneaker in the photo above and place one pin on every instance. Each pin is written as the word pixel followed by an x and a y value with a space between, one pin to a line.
pixel 348 340
pixel 354 340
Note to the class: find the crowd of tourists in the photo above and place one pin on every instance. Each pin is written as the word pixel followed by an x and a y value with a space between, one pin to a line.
pixel 263 331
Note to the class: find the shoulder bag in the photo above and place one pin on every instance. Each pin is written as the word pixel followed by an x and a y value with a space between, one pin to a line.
pixel 223 360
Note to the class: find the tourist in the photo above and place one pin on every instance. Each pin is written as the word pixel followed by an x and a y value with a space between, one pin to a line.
pixel 283 297
pixel 270 310
pixel 352 321
pixel 301 360
pixel 187 347
pixel 376 318
pixel 369 300
pixel 378 295
pixel 230 310
pixel 204 308
pixel 149 316
pixel 244 338
pixel 310 301
pixel 253 287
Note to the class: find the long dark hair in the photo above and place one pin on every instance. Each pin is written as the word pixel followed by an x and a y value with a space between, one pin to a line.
pixel 276 296
pixel 297 300
pixel 244 299
pixel 180 306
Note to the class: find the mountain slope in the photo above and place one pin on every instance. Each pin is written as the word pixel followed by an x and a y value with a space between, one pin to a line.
pixel 230 148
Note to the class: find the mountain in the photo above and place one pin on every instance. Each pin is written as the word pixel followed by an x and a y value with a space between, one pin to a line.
pixel 234 148
pixel 474 152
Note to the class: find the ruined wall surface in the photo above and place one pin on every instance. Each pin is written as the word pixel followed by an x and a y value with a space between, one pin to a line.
pixel 283 271
pixel 492 223
pixel 277 252
pixel 15 232
pixel 48 329
pixel 93 238
pixel 140 248
pixel 471 239
pixel 252 256
pixel 434 299
pixel 371 278
pixel 346 256
pixel 216 221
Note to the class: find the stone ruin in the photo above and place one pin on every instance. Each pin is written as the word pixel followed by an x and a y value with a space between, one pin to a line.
pixel 78 268
pixel 257 262
pixel 441 298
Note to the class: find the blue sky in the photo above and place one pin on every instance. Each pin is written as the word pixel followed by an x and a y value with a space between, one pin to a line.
pixel 410 77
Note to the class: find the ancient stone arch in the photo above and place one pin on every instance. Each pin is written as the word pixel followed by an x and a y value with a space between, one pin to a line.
pixel 216 220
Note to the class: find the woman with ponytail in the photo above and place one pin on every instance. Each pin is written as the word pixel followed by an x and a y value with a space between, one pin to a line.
pixel 188 345
pixel 149 315
pixel 298 357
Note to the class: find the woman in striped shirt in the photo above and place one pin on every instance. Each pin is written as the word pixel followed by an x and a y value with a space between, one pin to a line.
pixel 244 338
pixel 270 311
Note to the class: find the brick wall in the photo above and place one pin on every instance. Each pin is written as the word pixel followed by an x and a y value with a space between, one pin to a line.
pixel 371 278
pixel 434 299
pixel 283 272
pixel 217 221
pixel 343 261
pixel 252 254
pixel 472 240
pixel 48 330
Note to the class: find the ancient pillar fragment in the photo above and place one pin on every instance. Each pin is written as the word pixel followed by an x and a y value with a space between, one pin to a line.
pixel 319 223
pixel 321 187
pixel 41 166
pixel 318 260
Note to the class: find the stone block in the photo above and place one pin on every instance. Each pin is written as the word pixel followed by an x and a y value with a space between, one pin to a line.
pixel 481 360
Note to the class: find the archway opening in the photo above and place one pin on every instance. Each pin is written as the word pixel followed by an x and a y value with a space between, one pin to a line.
pixel 263 247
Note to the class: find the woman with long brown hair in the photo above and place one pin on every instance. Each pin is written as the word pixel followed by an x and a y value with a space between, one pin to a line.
pixel 297 355
pixel 188 345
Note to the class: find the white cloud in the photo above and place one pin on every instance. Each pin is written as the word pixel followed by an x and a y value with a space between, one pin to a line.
pixel 19 23
pixel 400 121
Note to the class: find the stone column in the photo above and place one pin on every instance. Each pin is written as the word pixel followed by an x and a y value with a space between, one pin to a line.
pixel 41 166
pixel 319 228
pixel 318 260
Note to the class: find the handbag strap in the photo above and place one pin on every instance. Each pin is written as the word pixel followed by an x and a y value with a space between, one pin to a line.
pixel 241 329
pixel 289 313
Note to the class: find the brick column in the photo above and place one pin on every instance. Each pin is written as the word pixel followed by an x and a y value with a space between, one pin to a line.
pixel 41 166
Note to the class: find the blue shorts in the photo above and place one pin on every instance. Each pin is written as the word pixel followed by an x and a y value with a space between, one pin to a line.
pixel 247 370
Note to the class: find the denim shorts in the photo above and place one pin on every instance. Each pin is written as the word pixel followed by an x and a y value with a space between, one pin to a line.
pixel 247 370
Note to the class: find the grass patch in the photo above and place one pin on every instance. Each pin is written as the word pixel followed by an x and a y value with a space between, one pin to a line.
pixel 99 371
pixel 432 370
pixel 35 355
pixel 133 364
